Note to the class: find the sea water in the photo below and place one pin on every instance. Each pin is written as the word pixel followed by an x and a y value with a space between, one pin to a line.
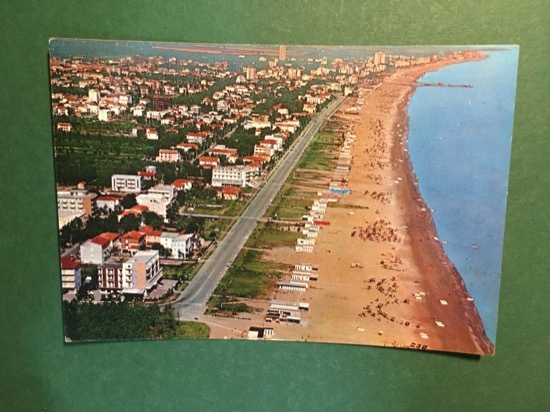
pixel 459 144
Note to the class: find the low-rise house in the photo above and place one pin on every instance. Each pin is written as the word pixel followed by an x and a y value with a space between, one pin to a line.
pixel 287 126
pixel 208 162
pixel 166 191
pixel 198 137
pixel 151 133
pixel 179 244
pixel 152 235
pixel 278 139
pixel 310 108
pixel 108 202
pixel 169 156
pixel 231 155
pixel 258 159
pixel 136 210
pixel 256 124
pixel 187 146
pixel 229 193
pixel 132 242
pixel 64 126
pixel 99 248
pixel 264 149
pixel 182 184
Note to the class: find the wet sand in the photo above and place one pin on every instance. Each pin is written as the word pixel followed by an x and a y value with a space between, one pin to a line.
pixel 384 277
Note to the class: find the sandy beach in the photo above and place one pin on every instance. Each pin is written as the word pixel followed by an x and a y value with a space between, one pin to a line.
pixel 384 278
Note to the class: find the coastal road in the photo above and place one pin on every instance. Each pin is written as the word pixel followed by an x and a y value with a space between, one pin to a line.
pixel 192 302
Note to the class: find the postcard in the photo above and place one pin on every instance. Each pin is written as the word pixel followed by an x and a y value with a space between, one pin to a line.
pixel 341 194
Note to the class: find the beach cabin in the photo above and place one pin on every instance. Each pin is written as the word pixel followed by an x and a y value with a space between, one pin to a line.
pixel 293 286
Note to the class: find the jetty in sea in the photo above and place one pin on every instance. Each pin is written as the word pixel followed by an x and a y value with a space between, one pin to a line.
pixel 440 84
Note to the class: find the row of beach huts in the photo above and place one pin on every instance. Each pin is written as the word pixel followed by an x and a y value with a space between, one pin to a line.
pixel 303 273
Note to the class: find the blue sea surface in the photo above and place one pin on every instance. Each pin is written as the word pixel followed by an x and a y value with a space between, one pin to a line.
pixel 460 143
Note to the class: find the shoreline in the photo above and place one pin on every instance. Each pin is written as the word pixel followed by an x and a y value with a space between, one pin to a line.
pixel 471 314
pixel 384 277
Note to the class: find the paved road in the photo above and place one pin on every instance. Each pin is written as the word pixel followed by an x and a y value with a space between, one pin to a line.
pixel 192 302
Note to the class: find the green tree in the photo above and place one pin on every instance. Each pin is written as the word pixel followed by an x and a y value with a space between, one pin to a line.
pixel 128 201
pixel 163 252
pixel 152 219
pixel 128 223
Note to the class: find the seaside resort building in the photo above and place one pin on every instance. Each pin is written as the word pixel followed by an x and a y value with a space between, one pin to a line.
pixel 233 176
pixel 126 183
pixel 131 275
pixel 71 275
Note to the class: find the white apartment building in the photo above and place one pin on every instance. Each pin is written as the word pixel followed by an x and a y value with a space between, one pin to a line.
pixel 142 271
pixel 71 274
pixel 155 202
pixel 180 244
pixel 126 183
pixel 166 191
pixel 233 176
pixel 75 201
pixel 169 156
pixel 158 199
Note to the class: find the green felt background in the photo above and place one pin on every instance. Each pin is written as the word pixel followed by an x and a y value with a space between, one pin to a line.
pixel 37 371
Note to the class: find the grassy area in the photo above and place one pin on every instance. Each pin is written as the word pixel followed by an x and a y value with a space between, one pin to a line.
pixel 221 207
pixel 218 225
pixel 227 304
pixel 289 203
pixel 192 330
pixel 276 211
pixel 177 272
pixel 248 275
pixel 320 153
pixel 269 235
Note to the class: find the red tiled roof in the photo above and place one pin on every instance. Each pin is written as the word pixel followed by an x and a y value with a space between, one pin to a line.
pixel 69 263
pixel 179 183
pixel 208 159
pixel 268 141
pixel 108 198
pixel 110 235
pixel 100 240
pixel 139 208
pixel 150 231
pixel 147 174
pixel 231 190
pixel 130 212
pixel 255 164
pixel 254 159
pixel 133 234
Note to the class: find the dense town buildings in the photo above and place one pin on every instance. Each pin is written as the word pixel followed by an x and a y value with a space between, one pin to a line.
pixel 196 125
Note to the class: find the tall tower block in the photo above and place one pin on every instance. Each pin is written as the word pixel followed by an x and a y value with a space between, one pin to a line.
pixel 282 52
